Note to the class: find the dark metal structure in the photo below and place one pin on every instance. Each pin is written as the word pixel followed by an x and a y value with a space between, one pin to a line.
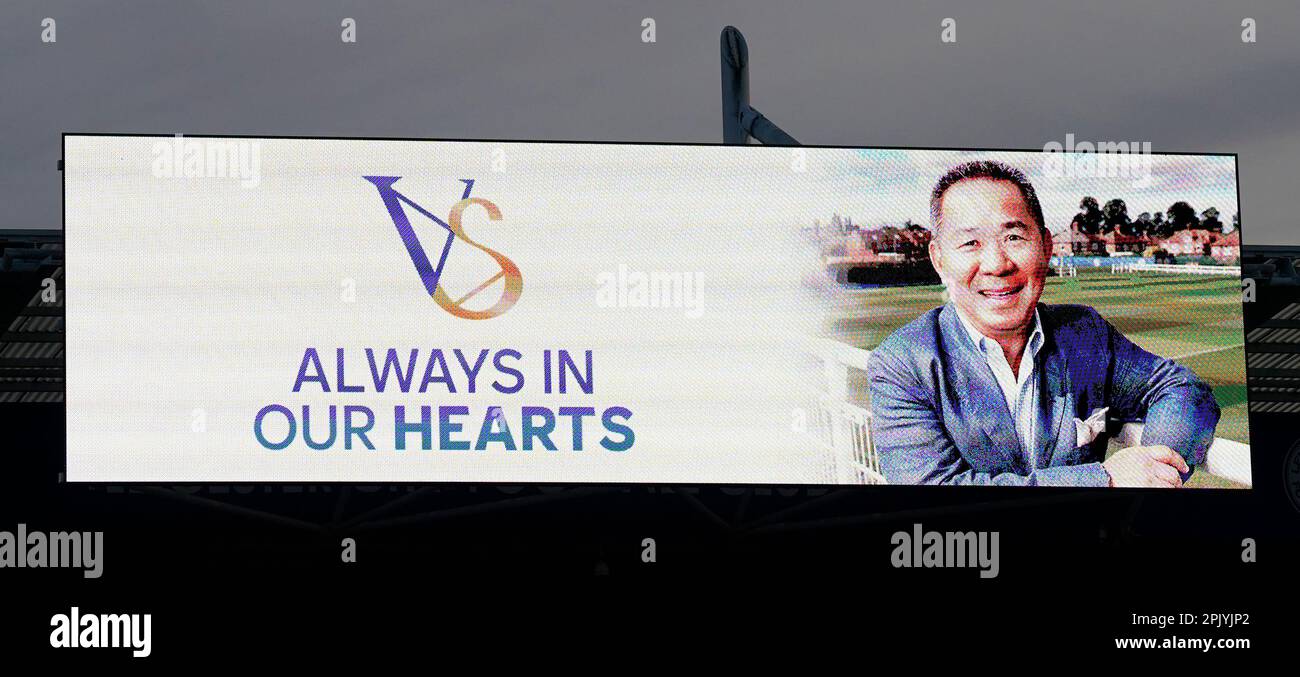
pixel 741 121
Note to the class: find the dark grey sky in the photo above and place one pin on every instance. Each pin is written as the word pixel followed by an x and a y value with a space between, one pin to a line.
pixel 1172 72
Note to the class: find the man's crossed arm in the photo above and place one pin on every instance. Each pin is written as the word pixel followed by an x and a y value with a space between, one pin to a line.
pixel 1179 410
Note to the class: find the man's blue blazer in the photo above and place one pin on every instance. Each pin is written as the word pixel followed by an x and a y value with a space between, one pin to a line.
pixel 939 416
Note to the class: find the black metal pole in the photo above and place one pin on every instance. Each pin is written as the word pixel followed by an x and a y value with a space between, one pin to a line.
pixel 740 120
pixel 735 84
pixel 764 129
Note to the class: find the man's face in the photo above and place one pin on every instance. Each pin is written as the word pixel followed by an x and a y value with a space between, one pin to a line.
pixel 992 254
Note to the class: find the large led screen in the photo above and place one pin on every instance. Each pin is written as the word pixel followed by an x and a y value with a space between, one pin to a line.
pixel 290 310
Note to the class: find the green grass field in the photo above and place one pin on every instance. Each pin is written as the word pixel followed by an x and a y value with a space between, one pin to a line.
pixel 1194 319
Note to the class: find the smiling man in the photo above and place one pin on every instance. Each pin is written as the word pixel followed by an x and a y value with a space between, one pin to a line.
pixel 997 388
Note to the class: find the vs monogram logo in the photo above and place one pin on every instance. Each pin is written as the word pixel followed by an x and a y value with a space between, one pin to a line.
pixel 429 273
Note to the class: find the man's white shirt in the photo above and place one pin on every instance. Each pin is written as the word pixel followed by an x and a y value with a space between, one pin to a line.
pixel 1019 389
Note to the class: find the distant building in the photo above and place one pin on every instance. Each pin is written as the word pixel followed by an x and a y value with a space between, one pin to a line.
pixel 886 254
pixel 1190 245
pixel 1197 244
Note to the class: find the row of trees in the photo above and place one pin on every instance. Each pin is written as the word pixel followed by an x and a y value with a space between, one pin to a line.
pixel 1096 219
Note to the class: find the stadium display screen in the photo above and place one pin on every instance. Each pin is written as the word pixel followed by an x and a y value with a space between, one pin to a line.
pixel 290 310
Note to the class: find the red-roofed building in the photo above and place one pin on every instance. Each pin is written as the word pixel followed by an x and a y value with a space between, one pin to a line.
pixel 1195 244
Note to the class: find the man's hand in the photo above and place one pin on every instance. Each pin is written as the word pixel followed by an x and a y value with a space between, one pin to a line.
pixel 1154 466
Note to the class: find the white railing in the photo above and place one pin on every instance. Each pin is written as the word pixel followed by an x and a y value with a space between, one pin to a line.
pixel 1183 269
pixel 1225 458
pixel 846 428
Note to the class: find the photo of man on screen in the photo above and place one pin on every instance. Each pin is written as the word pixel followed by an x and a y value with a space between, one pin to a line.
pixel 996 388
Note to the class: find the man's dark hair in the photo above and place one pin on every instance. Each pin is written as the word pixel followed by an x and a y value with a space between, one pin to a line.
pixel 985 169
